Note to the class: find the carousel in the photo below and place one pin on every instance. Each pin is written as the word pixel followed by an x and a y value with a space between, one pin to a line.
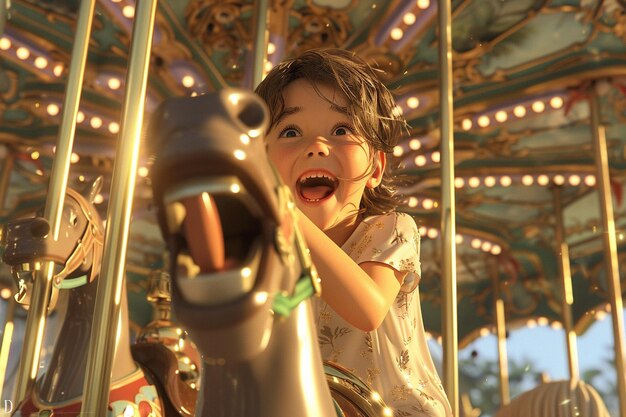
pixel 514 162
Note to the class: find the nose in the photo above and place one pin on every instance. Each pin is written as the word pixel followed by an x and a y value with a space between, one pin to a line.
pixel 317 147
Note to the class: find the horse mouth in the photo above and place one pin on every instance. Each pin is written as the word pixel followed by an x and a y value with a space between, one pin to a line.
pixel 218 225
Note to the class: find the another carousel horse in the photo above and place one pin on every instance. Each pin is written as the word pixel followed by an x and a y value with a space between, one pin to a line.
pixel 241 273
pixel 77 256
pixel 557 399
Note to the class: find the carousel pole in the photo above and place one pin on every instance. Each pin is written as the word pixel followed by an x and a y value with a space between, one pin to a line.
pixel 42 277
pixel 448 227
pixel 505 396
pixel 610 244
pixel 5 5
pixel 260 42
pixel 567 295
pixel 109 295
pixel 7 335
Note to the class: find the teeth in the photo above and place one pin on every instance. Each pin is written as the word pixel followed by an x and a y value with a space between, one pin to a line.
pixel 316 175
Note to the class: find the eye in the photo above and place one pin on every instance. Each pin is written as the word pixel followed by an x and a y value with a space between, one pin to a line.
pixel 289 132
pixel 342 131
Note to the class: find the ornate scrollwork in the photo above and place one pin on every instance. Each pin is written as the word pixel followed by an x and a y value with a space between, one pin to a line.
pixel 319 27
pixel 222 26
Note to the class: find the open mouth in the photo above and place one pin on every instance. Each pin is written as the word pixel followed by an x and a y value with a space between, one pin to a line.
pixel 219 227
pixel 316 186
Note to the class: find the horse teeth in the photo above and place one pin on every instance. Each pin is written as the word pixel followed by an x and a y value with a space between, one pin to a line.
pixel 175 215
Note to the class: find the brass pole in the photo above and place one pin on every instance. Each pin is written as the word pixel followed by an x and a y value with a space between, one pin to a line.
pixel 110 284
pixel 5 5
pixel 5 179
pixel 505 396
pixel 567 295
pixel 36 320
pixel 260 43
pixel 610 244
pixel 7 338
pixel 448 227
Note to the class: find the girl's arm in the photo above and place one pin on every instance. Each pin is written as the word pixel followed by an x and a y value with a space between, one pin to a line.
pixel 360 293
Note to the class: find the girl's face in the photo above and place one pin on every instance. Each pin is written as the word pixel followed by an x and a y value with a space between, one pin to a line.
pixel 318 155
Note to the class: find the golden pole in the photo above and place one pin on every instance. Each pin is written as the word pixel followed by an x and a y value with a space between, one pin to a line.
pixel 110 284
pixel 567 295
pixel 260 43
pixel 36 320
pixel 7 337
pixel 5 5
pixel 610 244
pixel 448 227
pixel 5 179
pixel 505 396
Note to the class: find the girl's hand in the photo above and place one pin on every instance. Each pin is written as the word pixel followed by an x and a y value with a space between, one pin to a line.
pixel 360 293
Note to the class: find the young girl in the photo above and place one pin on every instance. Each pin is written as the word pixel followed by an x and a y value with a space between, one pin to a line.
pixel 332 126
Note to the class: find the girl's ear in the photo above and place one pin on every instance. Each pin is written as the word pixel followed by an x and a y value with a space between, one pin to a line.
pixel 380 160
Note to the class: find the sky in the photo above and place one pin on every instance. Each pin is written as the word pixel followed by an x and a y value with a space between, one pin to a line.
pixel 549 355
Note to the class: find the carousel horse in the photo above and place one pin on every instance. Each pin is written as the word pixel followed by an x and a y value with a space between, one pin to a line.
pixel 136 390
pixel 241 273
pixel 557 399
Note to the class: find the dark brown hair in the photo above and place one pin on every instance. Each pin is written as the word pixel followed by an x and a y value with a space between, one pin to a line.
pixel 371 108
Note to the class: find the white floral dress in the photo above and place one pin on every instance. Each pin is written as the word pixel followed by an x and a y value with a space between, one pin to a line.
pixel 393 359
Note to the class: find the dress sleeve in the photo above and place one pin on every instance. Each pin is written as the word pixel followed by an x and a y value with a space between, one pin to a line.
pixel 391 239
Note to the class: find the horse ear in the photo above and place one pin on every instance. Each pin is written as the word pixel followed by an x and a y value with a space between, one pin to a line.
pixel 95 189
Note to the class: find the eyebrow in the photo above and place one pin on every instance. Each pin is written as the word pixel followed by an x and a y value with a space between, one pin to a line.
pixel 288 111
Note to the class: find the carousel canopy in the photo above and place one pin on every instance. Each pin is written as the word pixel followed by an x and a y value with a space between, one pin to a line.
pixel 524 74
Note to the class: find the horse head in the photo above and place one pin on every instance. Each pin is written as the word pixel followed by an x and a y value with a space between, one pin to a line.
pixel 228 221
pixel 239 266
pixel 76 253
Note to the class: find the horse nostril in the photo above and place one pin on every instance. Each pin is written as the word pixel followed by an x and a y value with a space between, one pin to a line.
pixel 40 228
pixel 252 114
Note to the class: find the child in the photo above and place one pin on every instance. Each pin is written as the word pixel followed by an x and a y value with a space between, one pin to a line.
pixel 332 126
